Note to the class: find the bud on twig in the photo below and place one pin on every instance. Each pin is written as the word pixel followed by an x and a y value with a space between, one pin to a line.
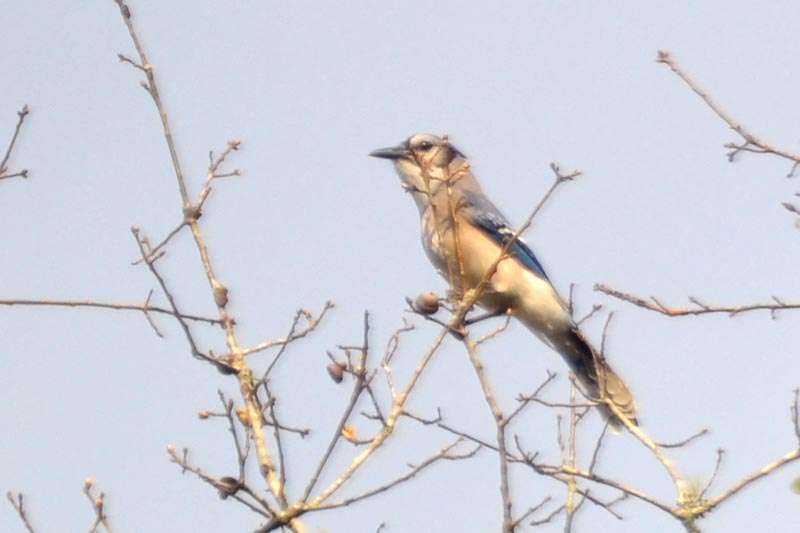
pixel 228 486
pixel 220 295
pixel 336 372
pixel 427 303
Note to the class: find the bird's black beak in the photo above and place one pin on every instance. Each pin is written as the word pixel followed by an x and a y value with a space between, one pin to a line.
pixel 394 152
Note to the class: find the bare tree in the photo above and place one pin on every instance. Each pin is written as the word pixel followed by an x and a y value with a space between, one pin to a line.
pixel 261 435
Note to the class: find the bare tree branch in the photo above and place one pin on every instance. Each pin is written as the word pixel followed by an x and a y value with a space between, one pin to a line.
pixel 445 454
pixel 98 505
pixel 702 308
pixel 143 308
pixel 751 143
pixel 18 503
pixel 4 172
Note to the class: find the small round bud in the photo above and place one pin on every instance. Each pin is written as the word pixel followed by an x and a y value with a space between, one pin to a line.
pixel 228 486
pixel 202 415
pixel 191 213
pixel 87 483
pixel 427 303
pixel 336 372
pixel 220 295
pixel 243 415
pixel 171 449
pixel 350 434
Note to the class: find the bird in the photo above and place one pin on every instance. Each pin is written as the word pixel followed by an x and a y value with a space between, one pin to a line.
pixel 463 235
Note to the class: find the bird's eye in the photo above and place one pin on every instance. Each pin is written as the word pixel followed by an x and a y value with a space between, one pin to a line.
pixel 424 146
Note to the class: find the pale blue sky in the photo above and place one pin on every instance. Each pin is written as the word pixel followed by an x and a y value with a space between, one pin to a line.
pixel 311 88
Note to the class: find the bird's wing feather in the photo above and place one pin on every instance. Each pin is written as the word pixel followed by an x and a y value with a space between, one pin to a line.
pixel 489 219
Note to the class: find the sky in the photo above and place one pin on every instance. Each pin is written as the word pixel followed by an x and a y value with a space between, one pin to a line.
pixel 311 88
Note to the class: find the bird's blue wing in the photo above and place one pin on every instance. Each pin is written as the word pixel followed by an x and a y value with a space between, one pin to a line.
pixel 487 217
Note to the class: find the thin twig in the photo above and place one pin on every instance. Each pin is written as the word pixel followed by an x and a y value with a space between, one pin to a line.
pixel 98 506
pixel 681 443
pixel 499 420
pixel 227 487
pixel 18 503
pixel 276 431
pixel 444 454
pixel 524 401
pixel 531 511
pixel 219 291
pixel 751 143
pixel 142 308
pixel 241 456
pixel 155 250
pixel 720 455
pixel 21 114
pixel 359 386
pixel 312 324
pixel 653 304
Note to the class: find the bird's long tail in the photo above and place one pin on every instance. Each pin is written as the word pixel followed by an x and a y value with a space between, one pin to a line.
pixel 595 374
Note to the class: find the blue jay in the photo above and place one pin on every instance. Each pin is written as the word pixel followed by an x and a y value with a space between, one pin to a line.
pixel 520 286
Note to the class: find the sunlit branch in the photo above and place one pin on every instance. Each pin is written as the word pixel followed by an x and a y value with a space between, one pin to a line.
pixel 701 308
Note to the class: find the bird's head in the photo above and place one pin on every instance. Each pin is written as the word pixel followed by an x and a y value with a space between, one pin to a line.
pixel 421 159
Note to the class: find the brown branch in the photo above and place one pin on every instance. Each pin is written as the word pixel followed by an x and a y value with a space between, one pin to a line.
pixel 532 511
pixel 397 409
pixel 499 420
pixel 717 465
pixel 445 454
pixel 18 503
pixel 150 262
pixel 143 308
pixel 98 505
pixel 702 308
pixel 590 314
pixel 768 469
pixel 213 168
pixel 751 143
pixel 554 513
pixel 572 485
pixel 191 213
pixel 276 427
pixel 677 478
pixel 156 250
pixel 681 443
pixel 597 446
pixel 4 174
pixel 241 454
pixel 392 345
pixel 755 476
pixel 359 386
pixel 495 332
pixel 438 422
pixel 228 487
pixel 312 324
pixel 558 471
pixel 524 401
pixel 152 89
